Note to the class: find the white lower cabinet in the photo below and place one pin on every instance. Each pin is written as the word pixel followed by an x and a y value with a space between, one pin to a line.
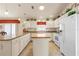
pixel 0 48
pixel 19 44
pixel 5 48
pixel 24 41
pixel 14 47
pixel 41 47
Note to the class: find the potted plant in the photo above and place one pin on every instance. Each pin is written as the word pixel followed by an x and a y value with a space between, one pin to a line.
pixel 47 19
pixel 71 12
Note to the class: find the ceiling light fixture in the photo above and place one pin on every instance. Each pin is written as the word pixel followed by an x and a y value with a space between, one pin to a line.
pixel 41 7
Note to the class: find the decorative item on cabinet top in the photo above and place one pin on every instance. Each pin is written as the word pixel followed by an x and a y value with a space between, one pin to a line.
pixel 35 19
pixel 31 19
pixel 27 19
pixel 3 33
pixel 24 30
pixel 47 19
pixel 71 12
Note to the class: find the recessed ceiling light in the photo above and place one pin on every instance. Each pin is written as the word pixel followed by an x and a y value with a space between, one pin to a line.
pixel 41 7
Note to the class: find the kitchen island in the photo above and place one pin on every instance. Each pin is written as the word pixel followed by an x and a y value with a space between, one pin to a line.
pixel 40 46
pixel 13 46
pixel 41 40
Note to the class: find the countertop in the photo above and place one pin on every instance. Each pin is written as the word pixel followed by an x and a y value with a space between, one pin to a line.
pixel 30 30
pixel 44 30
pixel 7 38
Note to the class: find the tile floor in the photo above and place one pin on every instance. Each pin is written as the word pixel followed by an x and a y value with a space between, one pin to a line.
pixel 53 50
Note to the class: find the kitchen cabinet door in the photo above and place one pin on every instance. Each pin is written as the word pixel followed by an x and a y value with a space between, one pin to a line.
pixel 6 45
pixel 15 47
pixel 0 48
pixel 28 39
pixel 22 43
pixel 25 39
pixel 5 48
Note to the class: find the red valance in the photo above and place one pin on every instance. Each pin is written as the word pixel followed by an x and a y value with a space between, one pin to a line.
pixel 9 21
pixel 41 23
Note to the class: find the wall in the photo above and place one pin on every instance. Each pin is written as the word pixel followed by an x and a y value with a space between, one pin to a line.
pixel 49 24
pixel 33 24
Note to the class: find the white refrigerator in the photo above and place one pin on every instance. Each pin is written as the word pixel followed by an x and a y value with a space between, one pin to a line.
pixel 68 35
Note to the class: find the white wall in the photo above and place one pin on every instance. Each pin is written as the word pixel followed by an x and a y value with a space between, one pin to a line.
pixel 49 24
pixel 33 24
pixel 27 24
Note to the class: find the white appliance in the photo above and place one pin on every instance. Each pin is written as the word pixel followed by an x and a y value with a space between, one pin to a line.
pixel 68 35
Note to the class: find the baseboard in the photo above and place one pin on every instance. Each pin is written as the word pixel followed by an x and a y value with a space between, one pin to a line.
pixel 58 47
pixel 55 43
pixel 62 54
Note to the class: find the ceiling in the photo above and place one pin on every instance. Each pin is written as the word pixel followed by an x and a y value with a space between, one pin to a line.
pixel 16 10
